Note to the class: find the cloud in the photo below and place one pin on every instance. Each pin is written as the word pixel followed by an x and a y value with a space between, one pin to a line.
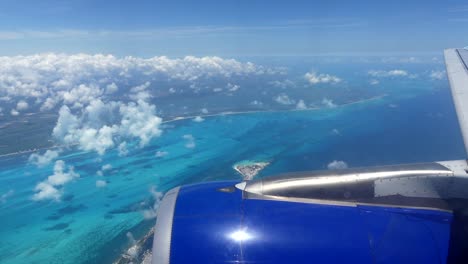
pixel 198 119
pixel 22 105
pixel 60 177
pixel 149 214
pixel 80 96
pixel 5 196
pixel 190 141
pixel 48 105
pixel 46 191
pixel 374 82
pixel 284 84
pixel 256 103
pixel 106 167
pixel 82 88
pixel 74 80
pixel 122 149
pixel 9 35
pixel 34 34
pixel 97 127
pixel 66 124
pixel 98 140
pixel 315 78
pixel 461 8
pixel 301 105
pixel 157 197
pixel 328 103
pixel 111 88
pixel 438 75
pixel 232 87
pixel 204 111
pixel 140 92
pixel 162 33
pixel 160 154
pixel 51 187
pixel 335 132
pixel 139 120
pixel 390 73
pixel 284 99
pixel 101 183
pixel 337 165
pixel 44 159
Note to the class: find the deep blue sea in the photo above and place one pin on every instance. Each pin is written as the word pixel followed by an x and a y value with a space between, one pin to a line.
pixel 414 123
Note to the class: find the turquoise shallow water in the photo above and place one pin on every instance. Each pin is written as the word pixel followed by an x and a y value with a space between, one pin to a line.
pixel 90 224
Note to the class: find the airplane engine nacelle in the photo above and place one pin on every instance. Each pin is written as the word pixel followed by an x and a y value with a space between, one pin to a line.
pixel 219 223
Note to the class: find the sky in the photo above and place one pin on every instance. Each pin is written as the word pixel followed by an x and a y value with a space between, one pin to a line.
pixel 176 28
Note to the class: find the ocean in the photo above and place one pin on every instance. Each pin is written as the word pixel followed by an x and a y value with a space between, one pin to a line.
pixel 400 122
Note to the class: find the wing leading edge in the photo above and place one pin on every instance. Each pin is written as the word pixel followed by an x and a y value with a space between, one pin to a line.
pixel 456 61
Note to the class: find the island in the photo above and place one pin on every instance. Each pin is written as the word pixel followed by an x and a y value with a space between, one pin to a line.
pixel 249 169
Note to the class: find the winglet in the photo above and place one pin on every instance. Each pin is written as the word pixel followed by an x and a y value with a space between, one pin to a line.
pixel 456 61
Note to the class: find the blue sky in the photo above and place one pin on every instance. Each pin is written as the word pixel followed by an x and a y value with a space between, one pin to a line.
pixel 231 28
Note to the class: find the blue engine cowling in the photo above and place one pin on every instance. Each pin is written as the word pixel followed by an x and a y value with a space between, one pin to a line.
pixel 215 223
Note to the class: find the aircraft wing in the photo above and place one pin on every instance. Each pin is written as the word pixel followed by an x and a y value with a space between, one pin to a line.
pixel 414 213
pixel 456 61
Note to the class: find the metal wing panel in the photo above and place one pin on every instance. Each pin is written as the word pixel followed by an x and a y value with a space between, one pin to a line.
pixel 456 61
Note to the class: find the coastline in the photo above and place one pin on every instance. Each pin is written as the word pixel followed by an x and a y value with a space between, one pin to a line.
pixel 180 118
pixel 141 251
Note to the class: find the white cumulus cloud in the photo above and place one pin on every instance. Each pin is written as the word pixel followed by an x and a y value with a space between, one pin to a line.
pixel 5 196
pixel 316 78
pixel 438 75
pixel 160 154
pixel 106 167
pixel 284 99
pixel 122 149
pixel 337 165
pixel 390 73
pixel 101 126
pixel 328 103
pixel 189 141
pixel 301 105
pixel 22 105
pixel 111 88
pixel 283 84
pixel 52 80
pixel 256 103
pixel 198 119
pixel 139 120
pixel 101 183
pixel 232 87
pixel 44 159
pixel 50 188
pixel 157 197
